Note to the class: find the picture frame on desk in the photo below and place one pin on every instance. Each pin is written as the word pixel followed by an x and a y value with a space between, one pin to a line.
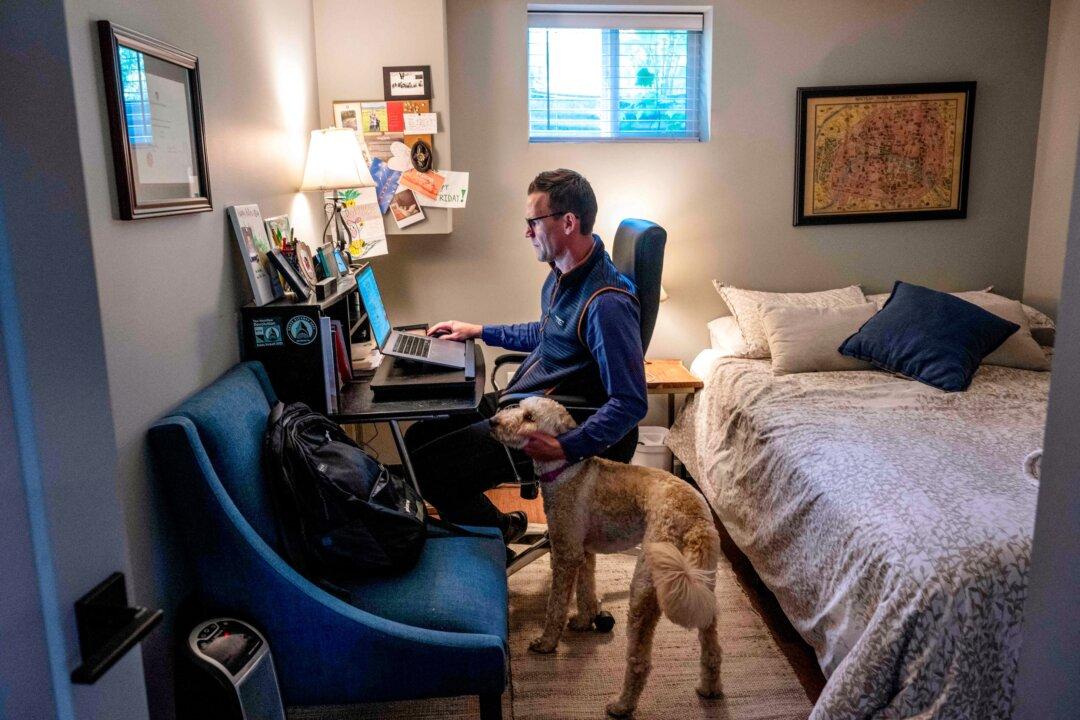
pixel 340 262
pixel 254 246
pixel 292 277
pixel 305 258
pixel 326 262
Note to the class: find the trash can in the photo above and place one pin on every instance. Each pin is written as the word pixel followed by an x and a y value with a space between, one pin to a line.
pixel 228 674
pixel 651 450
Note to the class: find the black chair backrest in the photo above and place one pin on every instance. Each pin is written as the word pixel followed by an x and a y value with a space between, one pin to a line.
pixel 638 253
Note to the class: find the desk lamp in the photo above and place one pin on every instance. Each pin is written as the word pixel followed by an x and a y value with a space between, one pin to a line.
pixel 335 162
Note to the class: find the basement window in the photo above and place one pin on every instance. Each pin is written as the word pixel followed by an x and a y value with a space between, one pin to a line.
pixel 617 76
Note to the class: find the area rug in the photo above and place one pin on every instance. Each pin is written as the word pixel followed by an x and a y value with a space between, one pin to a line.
pixel 587 669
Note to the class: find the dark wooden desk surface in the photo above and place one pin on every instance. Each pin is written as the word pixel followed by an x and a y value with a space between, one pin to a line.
pixel 357 405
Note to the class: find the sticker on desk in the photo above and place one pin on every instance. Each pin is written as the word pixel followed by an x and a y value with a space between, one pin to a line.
pixel 267 332
pixel 302 330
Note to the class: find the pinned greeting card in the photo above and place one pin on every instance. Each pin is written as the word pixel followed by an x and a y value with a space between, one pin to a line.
pixel 427 184
pixel 453 193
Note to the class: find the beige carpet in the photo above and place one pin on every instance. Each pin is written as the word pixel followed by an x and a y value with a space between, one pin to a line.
pixel 587 669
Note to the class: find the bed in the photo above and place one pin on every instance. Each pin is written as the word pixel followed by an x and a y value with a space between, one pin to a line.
pixel 892 521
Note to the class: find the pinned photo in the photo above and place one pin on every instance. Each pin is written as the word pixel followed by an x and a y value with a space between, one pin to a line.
pixel 405 209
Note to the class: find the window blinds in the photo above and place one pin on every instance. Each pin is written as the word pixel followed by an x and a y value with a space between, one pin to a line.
pixel 615 76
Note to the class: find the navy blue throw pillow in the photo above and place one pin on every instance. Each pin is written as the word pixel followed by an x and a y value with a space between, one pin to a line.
pixel 929 336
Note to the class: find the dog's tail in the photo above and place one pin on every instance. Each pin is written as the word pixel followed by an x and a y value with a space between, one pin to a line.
pixel 684 585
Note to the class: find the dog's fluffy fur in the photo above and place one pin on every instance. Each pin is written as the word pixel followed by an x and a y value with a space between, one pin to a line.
pixel 599 506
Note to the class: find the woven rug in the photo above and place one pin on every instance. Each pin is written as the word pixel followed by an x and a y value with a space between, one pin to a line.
pixel 587 669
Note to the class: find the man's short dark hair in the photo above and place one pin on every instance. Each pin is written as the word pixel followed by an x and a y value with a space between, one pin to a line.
pixel 568 191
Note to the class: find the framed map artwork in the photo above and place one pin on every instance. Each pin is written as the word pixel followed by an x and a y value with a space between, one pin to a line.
pixel 881 153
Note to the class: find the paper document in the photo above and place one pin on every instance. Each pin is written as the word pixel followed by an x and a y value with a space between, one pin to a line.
pixel 453 192
pixel 364 219
pixel 421 123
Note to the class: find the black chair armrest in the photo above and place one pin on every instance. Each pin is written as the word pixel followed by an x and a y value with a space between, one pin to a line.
pixel 504 359
pixel 574 403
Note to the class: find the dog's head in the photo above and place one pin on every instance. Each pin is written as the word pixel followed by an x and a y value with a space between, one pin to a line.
pixel 513 425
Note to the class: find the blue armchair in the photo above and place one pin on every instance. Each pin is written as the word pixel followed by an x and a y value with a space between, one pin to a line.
pixel 439 630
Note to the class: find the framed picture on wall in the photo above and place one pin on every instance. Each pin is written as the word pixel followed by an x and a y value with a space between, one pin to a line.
pixel 347 114
pixel 154 102
pixel 407 82
pixel 882 153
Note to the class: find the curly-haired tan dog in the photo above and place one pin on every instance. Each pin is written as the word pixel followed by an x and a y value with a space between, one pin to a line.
pixel 599 506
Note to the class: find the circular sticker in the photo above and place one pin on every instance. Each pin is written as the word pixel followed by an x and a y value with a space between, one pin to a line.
pixel 301 330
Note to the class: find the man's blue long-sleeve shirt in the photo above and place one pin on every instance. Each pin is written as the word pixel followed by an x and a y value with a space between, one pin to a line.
pixel 612 334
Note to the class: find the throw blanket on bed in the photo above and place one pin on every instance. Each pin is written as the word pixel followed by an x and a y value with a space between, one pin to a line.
pixel 892 521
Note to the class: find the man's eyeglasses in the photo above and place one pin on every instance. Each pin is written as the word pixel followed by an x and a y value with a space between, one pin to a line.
pixel 531 222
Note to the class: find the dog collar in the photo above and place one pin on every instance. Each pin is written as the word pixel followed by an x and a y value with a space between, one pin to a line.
pixel 551 475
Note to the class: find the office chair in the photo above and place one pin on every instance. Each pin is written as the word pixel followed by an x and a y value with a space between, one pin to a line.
pixel 638 253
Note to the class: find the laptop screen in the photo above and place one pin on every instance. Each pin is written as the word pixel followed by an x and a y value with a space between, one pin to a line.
pixel 373 304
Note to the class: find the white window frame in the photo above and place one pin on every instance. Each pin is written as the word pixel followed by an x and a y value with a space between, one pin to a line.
pixel 650 15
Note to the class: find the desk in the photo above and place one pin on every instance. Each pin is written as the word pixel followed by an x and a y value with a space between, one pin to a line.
pixel 670 377
pixel 357 406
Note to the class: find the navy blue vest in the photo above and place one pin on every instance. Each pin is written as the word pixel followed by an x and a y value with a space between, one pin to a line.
pixel 562 362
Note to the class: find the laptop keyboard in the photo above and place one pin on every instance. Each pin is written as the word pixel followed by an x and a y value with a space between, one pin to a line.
pixel 412 345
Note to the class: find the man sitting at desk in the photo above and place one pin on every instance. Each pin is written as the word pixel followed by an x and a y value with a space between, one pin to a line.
pixel 586 343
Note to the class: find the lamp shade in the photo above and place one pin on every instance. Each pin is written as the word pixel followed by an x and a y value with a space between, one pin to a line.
pixel 335 161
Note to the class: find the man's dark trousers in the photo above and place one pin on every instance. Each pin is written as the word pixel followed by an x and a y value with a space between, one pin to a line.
pixel 456 460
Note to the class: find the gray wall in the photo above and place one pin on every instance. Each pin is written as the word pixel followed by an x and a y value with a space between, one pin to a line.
pixel 1059 126
pixel 58 452
pixel 170 288
pixel 727 203
pixel 349 70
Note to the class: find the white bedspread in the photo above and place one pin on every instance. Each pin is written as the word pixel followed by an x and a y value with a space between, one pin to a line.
pixel 893 522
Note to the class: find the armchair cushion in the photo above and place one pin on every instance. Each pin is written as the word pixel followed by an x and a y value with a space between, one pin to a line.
pixel 459 585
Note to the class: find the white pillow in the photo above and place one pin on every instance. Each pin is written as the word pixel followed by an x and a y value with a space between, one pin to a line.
pixel 725 337
pixel 880 298
pixel 807 339
pixel 745 306
pixel 1020 349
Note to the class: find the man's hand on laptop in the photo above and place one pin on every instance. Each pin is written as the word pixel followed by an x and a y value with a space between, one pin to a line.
pixel 455 330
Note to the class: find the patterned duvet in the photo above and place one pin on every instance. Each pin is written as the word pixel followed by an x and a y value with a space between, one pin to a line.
pixel 892 521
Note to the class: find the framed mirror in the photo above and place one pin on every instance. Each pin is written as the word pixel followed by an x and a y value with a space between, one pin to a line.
pixel 156 125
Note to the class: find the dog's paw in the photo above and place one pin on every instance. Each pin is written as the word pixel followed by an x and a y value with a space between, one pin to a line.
pixel 710 692
pixel 581 623
pixel 619 709
pixel 543 646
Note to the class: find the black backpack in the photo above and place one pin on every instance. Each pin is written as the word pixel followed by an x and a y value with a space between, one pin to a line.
pixel 341 514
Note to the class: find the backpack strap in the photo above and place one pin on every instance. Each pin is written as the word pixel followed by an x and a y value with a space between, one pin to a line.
pixel 451 528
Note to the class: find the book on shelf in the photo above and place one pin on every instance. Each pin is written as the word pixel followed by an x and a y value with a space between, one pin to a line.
pixel 341 353
pixel 330 385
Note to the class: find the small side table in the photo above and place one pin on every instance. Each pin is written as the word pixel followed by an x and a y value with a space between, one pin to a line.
pixel 671 378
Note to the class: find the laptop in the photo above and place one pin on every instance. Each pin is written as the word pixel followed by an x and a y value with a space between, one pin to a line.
pixel 447 353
